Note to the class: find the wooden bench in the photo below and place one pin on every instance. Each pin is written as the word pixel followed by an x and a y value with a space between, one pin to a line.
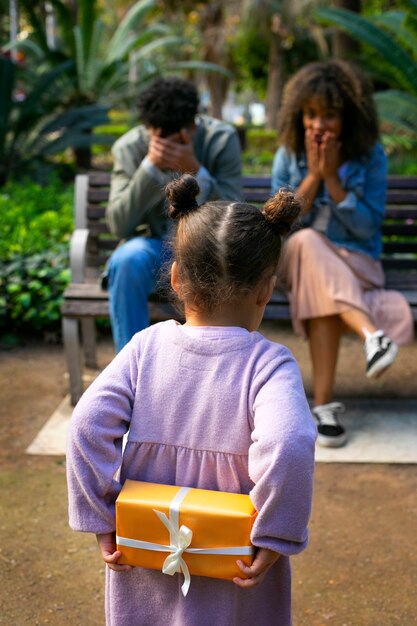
pixel 92 244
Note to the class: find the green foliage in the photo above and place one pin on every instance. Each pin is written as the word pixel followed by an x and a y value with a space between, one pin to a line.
pixel 39 125
pixel 250 56
pixel 34 234
pixel 259 139
pixel 111 62
pixel 31 289
pixel 392 37
pixel 250 47
pixel 68 86
pixel 34 218
pixel 261 145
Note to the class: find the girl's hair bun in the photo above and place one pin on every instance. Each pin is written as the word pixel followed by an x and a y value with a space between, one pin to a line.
pixel 281 211
pixel 182 194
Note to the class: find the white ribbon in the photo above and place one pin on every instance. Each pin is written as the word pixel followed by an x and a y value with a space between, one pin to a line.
pixel 180 539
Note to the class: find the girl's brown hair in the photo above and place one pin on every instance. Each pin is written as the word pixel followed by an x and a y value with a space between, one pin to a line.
pixel 337 84
pixel 223 248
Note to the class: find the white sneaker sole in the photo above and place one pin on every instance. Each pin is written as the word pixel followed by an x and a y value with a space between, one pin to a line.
pixel 384 362
pixel 332 442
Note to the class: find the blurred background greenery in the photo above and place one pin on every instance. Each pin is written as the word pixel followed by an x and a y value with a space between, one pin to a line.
pixel 70 72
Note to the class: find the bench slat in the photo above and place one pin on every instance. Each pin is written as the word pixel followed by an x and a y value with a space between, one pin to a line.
pixel 404 230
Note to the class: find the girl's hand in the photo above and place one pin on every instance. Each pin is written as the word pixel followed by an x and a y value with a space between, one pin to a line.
pixel 107 544
pixel 255 574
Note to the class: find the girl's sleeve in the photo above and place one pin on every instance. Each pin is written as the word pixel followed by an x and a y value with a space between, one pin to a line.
pixel 94 445
pixel 281 459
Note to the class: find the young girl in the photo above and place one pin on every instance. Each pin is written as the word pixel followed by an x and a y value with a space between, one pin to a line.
pixel 209 404
pixel 331 157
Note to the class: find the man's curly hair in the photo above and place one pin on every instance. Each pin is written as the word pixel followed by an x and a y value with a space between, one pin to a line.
pixel 337 84
pixel 169 104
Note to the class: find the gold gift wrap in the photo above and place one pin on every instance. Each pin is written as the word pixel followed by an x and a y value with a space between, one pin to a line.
pixel 184 529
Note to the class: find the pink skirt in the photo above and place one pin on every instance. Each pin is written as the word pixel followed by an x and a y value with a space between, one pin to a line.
pixel 322 279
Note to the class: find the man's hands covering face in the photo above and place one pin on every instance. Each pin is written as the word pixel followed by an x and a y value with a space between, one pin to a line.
pixel 175 152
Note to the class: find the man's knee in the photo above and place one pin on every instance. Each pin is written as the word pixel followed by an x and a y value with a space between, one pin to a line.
pixel 134 256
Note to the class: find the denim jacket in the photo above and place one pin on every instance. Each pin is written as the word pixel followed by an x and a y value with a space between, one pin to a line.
pixel 355 223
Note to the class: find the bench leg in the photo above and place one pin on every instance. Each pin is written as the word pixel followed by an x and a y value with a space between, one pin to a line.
pixel 73 356
pixel 88 333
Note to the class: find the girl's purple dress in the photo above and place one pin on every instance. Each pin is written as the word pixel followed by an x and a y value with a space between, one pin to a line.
pixel 214 408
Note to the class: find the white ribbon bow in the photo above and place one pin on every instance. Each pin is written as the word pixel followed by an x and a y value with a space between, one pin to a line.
pixel 180 540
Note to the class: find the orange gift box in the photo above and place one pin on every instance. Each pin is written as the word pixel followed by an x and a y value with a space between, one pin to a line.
pixel 173 529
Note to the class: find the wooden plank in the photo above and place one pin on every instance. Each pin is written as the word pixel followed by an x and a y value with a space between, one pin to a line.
pixel 96 211
pixel 405 230
pixel 401 213
pixel 85 308
pixel 400 247
pixel 98 228
pixel 401 197
pixel 400 264
pixel 402 281
pixel 402 182
pixel 99 178
pixel 79 291
pixel 98 194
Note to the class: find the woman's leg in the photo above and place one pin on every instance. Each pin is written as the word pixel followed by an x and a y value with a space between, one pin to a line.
pixel 357 321
pixel 324 339
pixel 380 350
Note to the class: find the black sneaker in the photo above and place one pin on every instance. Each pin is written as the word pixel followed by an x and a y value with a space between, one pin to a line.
pixel 331 433
pixel 380 353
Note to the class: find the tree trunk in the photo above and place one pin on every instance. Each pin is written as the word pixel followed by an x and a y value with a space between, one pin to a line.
pixel 213 52
pixel 344 46
pixel 275 82
pixel 83 158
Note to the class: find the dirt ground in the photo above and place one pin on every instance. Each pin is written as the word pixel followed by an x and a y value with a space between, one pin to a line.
pixel 359 570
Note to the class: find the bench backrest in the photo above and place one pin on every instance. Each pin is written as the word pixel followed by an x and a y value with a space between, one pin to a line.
pixel 399 229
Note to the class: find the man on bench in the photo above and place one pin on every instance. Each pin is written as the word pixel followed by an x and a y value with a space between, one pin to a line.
pixel 172 139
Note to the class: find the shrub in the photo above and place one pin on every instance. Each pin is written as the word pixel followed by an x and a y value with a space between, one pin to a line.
pixel 258 156
pixel 34 218
pixel 31 289
pixel 34 234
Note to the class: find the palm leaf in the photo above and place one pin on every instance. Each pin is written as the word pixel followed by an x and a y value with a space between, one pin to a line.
pixel 395 23
pixel 26 45
pixel 71 139
pixel 81 60
pixel 201 66
pixel 128 25
pixel 116 51
pixel 87 16
pixel 398 108
pixel 162 42
pixel 365 31
pixel 94 65
pixel 78 117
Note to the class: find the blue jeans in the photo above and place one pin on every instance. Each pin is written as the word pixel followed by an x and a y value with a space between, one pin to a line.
pixel 132 275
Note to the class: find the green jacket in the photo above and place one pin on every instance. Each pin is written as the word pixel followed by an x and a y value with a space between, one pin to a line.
pixel 137 203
